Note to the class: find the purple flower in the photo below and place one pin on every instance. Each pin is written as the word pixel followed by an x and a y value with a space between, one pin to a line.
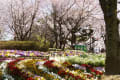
pixel 99 68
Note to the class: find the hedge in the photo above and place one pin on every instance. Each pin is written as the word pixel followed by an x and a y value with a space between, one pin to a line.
pixel 23 45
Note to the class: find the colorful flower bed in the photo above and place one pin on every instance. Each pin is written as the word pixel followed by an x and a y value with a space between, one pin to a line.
pixel 66 53
pixel 79 67
pixel 35 69
pixel 27 70
pixel 6 53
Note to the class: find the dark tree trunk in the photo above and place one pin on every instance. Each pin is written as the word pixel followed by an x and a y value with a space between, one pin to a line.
pixel 73 40
pixel 109 8
pixel 56 41
pixel 60 37
pixel 56 35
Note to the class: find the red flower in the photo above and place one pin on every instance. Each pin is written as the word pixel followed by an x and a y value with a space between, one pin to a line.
pixel 70 74
pixel 89 75
pixel 25 76
pixel 92 70
pixel 44 59
pixel 65 63
pixel 20 59
pixel 14 70
pixel 30 78
pixel 78 78
pixel 98 73
pixel 62 72
pixel 84 65
pixel 10 65
pixel 52 60
pixel 95 71
pixel 49 64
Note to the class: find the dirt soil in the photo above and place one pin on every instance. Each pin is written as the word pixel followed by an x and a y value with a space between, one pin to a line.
pixel 112 77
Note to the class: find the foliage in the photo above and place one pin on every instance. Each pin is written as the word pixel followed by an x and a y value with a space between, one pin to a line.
pixel 23 45
pixel 91 59
pixel 43 43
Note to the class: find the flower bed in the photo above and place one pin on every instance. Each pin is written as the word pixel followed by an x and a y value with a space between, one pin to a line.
pixel 67 53
pixel 90 59
pixel 10 53
pixel 80 67
pixel 68 71
pixel 27 70
pixel 35 69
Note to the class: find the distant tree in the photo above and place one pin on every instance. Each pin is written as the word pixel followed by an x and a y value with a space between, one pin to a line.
pixel 77 19
pixel 22 17
pixel 58 17
pixel 66 20
pixel 54 23
pixel 41 30
pixel 3 35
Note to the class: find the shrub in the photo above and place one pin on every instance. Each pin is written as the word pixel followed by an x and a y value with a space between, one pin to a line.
pixel 23 45
pixel 52 49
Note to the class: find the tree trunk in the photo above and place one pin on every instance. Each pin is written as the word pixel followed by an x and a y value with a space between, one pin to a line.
pixel 56 41
pixel 73 40
pixel 112 49
pixel 109 8
pixel 56 35
pixel 60 36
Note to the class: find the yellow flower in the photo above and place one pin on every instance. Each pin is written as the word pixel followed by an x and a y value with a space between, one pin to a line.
pixel 49 75
pixel 39 78
pixel 0 54
pixel 32 54
pixel 8 51
pixel 7 54
pixel 42 78
pixel 29 73
pixel 67 70
pixel 65 64
pixel 78 71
